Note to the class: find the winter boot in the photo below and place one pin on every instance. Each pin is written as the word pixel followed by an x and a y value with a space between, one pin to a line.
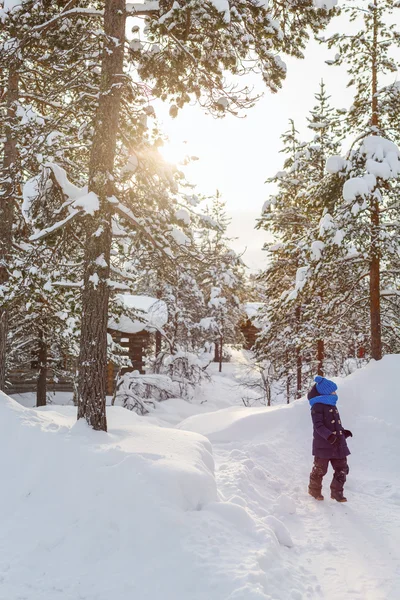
pixel 338 496
pixel 315 494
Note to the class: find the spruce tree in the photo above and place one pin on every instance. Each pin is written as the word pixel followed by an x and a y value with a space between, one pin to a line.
pixel 294 332
pixel 284 215
pixel 223 282
pixel 366 219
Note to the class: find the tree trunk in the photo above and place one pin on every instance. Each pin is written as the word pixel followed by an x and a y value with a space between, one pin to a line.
pixel 93 346
pixel 374 266
pixel 374 284
pixel 299 360
pixel 216 352
pixel 320 357
pixel 41 387
pixel 7 201
pixel 299 377
pixel 221 346
pixel 158 343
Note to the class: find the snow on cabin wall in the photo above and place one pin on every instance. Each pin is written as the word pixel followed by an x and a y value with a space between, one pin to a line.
pixel 252 326
pixel 252 310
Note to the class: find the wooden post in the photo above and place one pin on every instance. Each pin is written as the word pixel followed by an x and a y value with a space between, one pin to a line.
pixel 41 387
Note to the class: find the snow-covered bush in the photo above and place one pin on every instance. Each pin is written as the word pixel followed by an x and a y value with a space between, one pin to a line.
pixel 139 392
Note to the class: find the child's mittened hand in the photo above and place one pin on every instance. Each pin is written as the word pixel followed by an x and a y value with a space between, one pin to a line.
pixel 347 433
pixel 332 438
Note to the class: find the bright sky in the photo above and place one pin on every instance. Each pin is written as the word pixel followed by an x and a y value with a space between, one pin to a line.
pixel 237 155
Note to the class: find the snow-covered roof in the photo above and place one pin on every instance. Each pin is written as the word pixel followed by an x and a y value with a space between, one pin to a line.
pixel 252 309
pixel 152 314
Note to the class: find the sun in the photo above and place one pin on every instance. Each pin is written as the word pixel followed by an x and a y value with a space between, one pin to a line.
pixel 174 152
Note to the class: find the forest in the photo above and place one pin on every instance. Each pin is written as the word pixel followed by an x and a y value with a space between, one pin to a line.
pixel 97 229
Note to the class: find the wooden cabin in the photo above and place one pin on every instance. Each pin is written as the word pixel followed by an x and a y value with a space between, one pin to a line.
pixel 135 333
pixel 250 327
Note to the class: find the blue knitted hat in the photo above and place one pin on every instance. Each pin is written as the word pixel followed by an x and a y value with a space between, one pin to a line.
pixel 325 386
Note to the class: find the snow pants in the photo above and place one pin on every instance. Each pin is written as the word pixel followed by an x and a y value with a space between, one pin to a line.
pixel 320 468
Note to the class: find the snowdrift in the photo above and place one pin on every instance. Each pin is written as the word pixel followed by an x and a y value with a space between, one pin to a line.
pixel 263 458
pixel 369 398
pixel 369 404
pixel 141 512
pixel 86 514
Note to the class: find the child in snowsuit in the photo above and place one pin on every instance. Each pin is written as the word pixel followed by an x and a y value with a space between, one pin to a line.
pixel 329 443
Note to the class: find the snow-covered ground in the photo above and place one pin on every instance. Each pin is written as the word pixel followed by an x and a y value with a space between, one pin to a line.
pixel 140 512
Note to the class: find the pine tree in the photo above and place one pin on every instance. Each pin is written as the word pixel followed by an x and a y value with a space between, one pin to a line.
pixel 324 121
pixel 366 219
pixel 293 335
pixel 44 117
pixel 284 217
pixel 223 282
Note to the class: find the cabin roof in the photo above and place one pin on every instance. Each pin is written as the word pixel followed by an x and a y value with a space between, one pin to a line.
pixel 143 313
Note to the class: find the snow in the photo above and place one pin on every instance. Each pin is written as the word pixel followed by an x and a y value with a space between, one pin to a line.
pixel 335 164
pixel 131 165
pixel 180 238
pixel 152 313
pixel 326 224
pixel 95 515
pixel 358 187
pixel 383 157
pixel 223 7
pixel 89 203
pixel 316 249
pixel 183 215
pixel 252 311
pixel 30 191
pixel 208 324
pixel 338 237
pixel 70 190
pixel 325 4
pixel 141 511
pixel 263 458
pixel 301 279
pixel 382 160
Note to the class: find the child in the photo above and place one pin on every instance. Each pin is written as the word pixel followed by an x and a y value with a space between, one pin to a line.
pixel 329 443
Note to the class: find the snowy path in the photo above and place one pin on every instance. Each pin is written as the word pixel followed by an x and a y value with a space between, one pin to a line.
pixel 328 551
pixel 161 527
pixel 347 551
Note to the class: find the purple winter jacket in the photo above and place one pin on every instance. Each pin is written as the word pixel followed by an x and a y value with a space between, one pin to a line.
pixel 326 421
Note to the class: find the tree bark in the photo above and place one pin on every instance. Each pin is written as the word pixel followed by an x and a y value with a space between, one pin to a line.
pixel 93 346
pixel 158 343
pixel 299 377
pixel 216 351
pixel 320 357
pixel 41 387
pixel 7 201
pixel 374 265
pixel 374 283
pixel 221 347
pixel 299 359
